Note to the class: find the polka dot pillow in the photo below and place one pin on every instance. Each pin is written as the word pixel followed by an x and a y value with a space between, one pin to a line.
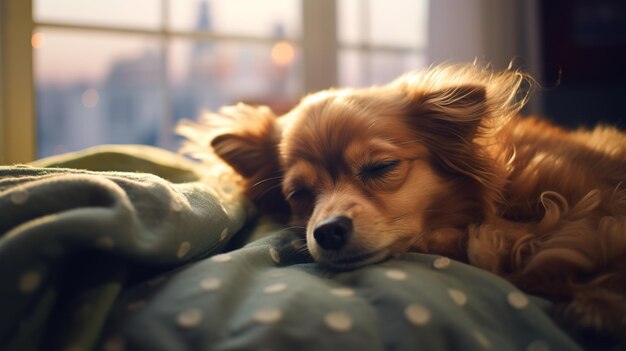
pixel 268 295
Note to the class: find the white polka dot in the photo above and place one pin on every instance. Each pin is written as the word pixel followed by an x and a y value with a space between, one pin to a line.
pixel 268 315
pixel 222 258
pixel 19 197
pixel 210 284
pixel 417 314
pixel 29 282
pixel 224 234
pixel 342 292
pixel 482 339
pixel 395 274
pixel 183 249
pixel 457 296
pixel 538 345
pixel 105 242
pixel 189 318
pixel 517 299
pixel 274 255
pixel 135 306
pixel 275 288
pixel 441 262
pixel 115 343
pixel 338 321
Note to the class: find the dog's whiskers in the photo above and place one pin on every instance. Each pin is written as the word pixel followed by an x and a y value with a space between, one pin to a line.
pixel 266 180
pixel 268 190
pixel 287 229
pixel 303 250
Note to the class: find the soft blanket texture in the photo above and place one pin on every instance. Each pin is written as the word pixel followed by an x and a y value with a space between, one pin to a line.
pixel 136 248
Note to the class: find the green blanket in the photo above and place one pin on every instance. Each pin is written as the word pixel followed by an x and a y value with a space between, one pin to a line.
pixel 136 248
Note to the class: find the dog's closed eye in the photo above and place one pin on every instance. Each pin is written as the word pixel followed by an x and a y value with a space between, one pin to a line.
pixel 376 170
pixel 299 194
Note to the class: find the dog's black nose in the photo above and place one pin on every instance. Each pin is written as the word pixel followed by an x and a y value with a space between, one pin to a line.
pixel 333 233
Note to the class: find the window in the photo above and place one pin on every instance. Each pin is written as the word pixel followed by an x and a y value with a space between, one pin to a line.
pixel 126 72
pixel 119 71
pixel 380 39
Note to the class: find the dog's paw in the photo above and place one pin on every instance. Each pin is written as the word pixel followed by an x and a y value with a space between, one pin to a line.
pixel 596 315
pixel 488 248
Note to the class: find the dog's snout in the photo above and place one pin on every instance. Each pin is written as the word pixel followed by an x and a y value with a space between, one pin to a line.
pixel 333 233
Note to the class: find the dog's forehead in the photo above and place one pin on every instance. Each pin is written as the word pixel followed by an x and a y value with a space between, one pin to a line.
pixel 324 127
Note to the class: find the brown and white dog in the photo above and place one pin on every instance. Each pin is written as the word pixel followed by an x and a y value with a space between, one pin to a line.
pixel 439 162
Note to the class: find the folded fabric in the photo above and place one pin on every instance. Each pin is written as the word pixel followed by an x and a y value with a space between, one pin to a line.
pixel 53 220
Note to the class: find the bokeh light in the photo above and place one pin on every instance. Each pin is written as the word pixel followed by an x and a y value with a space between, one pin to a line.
pixel 36 40
pixel 283 53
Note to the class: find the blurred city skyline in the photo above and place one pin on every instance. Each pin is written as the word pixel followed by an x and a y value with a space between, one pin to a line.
pixel 89 53
pixel 133 102
pixel 106 87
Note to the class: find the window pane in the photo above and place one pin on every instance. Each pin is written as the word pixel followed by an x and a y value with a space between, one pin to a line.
pixel 144 14
pixel 352 69
pixel 383 22
pixel 352 21
pixel 95 88
pixel 364 68
pixel 387 66
pixel 208 75
pixel 266 18
pixel 398 22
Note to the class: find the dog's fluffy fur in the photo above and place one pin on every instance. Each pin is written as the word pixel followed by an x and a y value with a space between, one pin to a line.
pixel 439 162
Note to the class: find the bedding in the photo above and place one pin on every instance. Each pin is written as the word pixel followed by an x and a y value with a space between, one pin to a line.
pixel 136 248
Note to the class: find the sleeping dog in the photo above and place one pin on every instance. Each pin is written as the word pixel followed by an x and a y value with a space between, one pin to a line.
pixel 439 161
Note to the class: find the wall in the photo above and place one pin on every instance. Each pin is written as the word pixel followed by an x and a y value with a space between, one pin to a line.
pixel 492 31
pixel 576 50
pixel 584 56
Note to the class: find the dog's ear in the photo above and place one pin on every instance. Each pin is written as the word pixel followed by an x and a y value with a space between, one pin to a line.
pixel 464 101
pixel 247 139
pixel 455 112
pixel 453 123
pixel 250 145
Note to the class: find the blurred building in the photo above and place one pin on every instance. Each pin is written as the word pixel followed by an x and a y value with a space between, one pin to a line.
pixel 135 103
pixel 132 94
